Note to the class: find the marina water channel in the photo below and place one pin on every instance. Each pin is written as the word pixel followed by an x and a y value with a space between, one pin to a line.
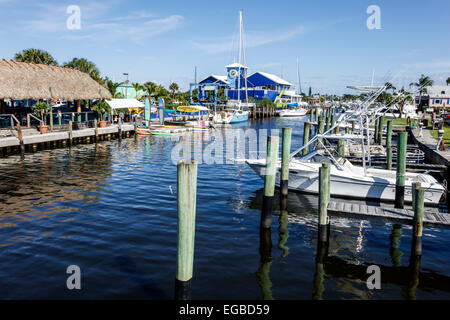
pixel 111 209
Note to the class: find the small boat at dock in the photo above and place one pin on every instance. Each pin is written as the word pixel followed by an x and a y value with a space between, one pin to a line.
pixel 293 113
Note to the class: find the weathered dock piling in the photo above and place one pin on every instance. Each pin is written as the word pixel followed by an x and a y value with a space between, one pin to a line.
pixel 324 199
pixel 380 130
pixel 306 131
pixel 340 147
pixel 22 145
pixel 269 181
pixel 418 206
pixel 389 134
pixel 186 200
pixel 320 126
pixel 402 138
pixel 285 153
pixel 70 134
pixel 96 130
pixel 389 145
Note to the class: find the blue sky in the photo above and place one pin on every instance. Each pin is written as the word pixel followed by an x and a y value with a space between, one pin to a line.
pixel 162 41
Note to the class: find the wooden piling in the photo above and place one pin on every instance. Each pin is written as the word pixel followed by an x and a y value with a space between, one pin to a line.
pixel 418 206
pixel 70 134
pixel 389 133
pixel 22 145
pixel 389 157
pixel 377 128
pixel 324 199
pixel 119 129
pixel 269 181
pixel 380 131
pixel 402 138
pixel 186 199
pixel 321 126
pixel 341 151
pixel 306 130
pixel 96 130
pixel 285 153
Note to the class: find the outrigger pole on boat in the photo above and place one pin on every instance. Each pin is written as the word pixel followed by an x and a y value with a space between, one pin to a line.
pixel 362 113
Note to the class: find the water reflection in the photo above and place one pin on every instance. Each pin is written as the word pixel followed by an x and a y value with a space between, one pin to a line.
pixel 262 275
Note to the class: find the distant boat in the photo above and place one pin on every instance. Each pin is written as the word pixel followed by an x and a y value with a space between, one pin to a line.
pixel 298 113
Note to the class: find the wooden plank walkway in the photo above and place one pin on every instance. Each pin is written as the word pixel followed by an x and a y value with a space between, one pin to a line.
pixel 431 215
pixel 62 135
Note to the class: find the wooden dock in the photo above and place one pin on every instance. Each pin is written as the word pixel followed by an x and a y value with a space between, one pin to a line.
pixel 62 135
pixel 431 215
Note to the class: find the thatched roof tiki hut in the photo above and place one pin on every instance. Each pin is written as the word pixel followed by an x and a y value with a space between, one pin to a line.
pixel 23 81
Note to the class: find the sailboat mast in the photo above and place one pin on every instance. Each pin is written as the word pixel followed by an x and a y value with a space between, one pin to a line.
pixel 239 57
pixel 243 60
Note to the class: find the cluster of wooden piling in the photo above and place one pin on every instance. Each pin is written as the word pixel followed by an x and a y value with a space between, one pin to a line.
pixel 262 112
pixel 186 197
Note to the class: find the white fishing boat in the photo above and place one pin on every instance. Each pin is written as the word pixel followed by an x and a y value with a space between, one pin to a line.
pixel 349 181
pixel 298 113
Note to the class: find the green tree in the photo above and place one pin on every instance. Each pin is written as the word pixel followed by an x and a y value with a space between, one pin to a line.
pixel 112 87
pixel 404 97
pixel 138 87
pixel 149 87
pixel 389 86
pixel 448 81
pixel 35 56
pixel 309 92
pixel 424 81
pixel 173 87
pixel 86 66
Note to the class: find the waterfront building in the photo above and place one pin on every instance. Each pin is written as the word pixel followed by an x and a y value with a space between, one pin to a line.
pixel 217 89
pixel 435 97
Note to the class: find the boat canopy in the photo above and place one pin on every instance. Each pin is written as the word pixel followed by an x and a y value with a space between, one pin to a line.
pixel 192 108
pixel 124 103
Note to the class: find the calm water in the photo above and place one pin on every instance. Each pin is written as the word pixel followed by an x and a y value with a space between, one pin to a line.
pixel 111 209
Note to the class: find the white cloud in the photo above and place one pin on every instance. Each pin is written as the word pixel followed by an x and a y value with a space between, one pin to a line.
pixel 252 39
pixel 97 25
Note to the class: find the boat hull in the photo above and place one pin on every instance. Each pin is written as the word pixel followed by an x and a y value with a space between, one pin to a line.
pixel 239 117
pixel 377 189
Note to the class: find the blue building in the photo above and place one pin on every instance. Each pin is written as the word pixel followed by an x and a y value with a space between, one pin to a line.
pixel 259 85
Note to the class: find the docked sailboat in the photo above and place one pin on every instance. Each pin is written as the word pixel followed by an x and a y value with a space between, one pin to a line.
pixel 237 111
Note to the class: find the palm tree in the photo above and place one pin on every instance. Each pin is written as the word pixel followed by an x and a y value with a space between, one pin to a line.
pixel 173 87
pixel 389 85
pixel 86 66
pixel 112 87
pixel 448 81
pixel 149 87
pixel 424 81
pixel 137 86
pixel 35 56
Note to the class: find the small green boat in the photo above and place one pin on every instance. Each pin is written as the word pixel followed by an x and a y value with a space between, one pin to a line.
pixel 160 133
